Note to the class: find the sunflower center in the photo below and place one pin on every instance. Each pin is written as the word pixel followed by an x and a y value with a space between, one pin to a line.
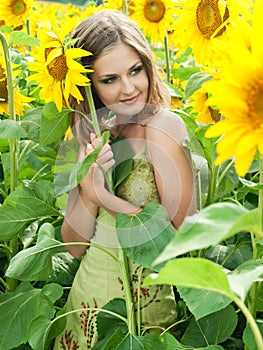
pixel 208 18
pixel 154 11
pixel 57 68
pixel 18 7
pixel 3 86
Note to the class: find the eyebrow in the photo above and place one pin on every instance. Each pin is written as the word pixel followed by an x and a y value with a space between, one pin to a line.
pixel 113 74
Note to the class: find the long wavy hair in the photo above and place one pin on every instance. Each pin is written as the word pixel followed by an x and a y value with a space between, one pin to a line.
pixel 98 34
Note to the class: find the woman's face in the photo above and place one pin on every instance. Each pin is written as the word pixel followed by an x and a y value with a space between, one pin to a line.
pixel 120 80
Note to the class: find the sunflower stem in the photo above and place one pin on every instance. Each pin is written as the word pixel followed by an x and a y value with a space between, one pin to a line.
pixel 123 261
pixel 212 185
pixel 94 118
pixel 125 7
pixel 13 143
pixel 167 58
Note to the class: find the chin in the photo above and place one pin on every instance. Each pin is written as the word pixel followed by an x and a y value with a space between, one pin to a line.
pixel 128 110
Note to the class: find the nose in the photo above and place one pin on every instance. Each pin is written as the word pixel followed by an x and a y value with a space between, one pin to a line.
pixel 127 86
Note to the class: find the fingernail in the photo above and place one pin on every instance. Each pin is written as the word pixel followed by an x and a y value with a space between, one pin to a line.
pixel 89 147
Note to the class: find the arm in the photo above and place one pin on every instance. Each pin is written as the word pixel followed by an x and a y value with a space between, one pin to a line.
pixel 172 165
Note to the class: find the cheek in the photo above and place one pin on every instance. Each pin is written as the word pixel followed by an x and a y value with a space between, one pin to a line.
pixel 106 94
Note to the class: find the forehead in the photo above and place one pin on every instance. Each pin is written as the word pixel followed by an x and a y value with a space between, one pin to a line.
pixel 120 57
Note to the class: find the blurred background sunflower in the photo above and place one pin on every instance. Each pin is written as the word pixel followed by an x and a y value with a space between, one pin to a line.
pixel 153 17
pixel 16 12
pixel 203 23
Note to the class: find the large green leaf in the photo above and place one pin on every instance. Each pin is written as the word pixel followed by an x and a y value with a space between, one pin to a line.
pixel 35 263
pixel 64 268
pixel 207 228
pixel 123 155
pixel 143 236
pixel 53 124
pixel 10 129
pixel 19 308
pixel 22 38
pixel 111 341
pixel 150 341
pixel 174 344
pixel 193 273
pixel 249 338
pixel 244 275
pixel 212 329
pixel 213 301
pixel 27 203
pixel 107 323
pixel 194 82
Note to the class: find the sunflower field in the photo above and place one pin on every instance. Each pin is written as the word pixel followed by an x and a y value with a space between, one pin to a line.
pixel 210 56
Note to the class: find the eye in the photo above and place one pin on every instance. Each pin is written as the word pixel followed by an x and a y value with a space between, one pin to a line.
pixel 137 70
pixel 109 80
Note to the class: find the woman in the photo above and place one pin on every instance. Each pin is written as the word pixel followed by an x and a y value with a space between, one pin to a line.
pixel 124 81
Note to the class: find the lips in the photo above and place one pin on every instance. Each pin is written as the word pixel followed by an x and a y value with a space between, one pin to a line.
pixel 130 100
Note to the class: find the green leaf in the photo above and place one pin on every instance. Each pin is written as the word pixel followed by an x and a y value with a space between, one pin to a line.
pixel 107 323
pixel 150 341
pixel 35 263
pixel 195 82
pixel 123 155
pixel 68 180
pixel 19 308
pixel 38 333
pixel 22 38
pixel 250 184
pixel 27 203
pixel 193 273
pixel 53 124
pixel 64 268
pixel 174 344
pixel 10 129
pixel 144 236
pixel 243 276
pixel 249 337
pixel 31 123
pixel 211 330
pixel 112 340
pixel 213 301
pixel 198 231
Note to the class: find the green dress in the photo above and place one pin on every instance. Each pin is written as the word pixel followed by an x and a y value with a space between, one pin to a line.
pixel 99 279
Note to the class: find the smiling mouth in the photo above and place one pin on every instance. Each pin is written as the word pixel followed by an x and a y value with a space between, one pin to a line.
pixel 130 100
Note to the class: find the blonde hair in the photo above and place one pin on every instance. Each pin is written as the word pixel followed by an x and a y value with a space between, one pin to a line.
pixel 100 33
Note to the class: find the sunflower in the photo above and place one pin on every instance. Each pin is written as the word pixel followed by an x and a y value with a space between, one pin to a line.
pixel 16 12
pixel 153 17
pixel 205 113
pixel 205 22
pixel 20 100
pixel 57 71
pixel 238 95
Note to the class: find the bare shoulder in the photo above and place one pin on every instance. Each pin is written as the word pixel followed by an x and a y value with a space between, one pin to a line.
pixel 167 123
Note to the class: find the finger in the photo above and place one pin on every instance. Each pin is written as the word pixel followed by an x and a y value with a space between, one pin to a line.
pixel 89 148
pixel 105 157
pixel 95 141
pixel 81 153
pixel 106 148
pixel 108 165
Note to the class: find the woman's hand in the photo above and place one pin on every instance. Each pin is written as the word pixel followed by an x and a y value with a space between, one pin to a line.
pixel 93 183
